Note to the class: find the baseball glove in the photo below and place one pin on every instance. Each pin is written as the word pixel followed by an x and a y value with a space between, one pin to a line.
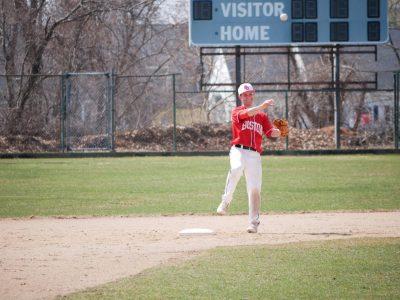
pixel 283 126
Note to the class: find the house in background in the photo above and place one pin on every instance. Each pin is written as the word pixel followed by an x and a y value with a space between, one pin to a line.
pixel 377 113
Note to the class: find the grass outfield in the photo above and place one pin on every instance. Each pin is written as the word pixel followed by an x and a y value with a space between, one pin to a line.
pixel 173 185
pixel 341 269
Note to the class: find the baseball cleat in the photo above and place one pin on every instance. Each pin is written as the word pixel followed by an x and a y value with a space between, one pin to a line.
pixel 222 208
pixel 252 228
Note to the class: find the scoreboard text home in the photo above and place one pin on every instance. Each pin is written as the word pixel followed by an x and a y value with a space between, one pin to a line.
pixel 231 23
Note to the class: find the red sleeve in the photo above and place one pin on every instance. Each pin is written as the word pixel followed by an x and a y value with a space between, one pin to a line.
pixel 238 114
pixel 267 126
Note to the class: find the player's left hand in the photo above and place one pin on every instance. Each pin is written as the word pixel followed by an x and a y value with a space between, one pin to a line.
pixel 283 126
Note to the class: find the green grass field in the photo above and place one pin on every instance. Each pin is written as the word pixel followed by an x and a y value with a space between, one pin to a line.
pixel 174 185
pixel 343 269
pixel 349 269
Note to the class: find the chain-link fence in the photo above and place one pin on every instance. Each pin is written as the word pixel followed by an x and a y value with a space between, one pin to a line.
pixel 87 104
pixel 30 113
pixel 144 113
pixel 367 119
pixel 104 111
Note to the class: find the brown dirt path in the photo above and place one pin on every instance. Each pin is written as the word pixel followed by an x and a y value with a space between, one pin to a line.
pixel 44 257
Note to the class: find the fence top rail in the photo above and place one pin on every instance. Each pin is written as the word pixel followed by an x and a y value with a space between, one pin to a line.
pixel 147 76
pixel 31 75
pixel 87 74
pixel 330 90
pixel 195 153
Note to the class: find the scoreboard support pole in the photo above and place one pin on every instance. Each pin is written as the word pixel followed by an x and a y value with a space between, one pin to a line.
pixel 238 73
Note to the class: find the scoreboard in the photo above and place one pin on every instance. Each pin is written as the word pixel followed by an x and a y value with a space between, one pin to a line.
pixel 287 22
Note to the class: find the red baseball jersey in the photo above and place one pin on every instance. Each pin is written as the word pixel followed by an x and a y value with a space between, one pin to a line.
pixel 247 131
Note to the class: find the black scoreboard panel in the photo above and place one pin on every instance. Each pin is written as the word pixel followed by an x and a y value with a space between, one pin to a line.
pixel 304 32
pixel 311 32
pixel 311 9
pixel 304 9
pixel 339 32
pixel 373 9
pixel 340 24
pixel 297 9
pixel 297 32
pixel 374 31
pixel 202 10
pixel 339 9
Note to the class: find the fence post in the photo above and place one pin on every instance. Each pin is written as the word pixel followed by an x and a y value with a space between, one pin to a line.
pixel 287 117
pixel 112 109
pixel 174 109
pixel 396 109
pixel 337 97
pixel 62 112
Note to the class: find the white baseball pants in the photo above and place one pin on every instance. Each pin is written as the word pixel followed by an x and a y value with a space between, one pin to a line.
pixel 249 162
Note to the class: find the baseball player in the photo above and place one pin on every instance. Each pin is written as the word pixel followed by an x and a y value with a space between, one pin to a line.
pixel 248 125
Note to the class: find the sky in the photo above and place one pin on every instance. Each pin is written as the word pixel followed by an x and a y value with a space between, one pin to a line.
pixel 174 11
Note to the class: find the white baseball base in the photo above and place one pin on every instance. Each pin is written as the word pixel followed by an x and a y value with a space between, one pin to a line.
pixel 196 232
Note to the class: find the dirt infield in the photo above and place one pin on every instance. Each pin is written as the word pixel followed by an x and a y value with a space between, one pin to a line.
pixel 45 257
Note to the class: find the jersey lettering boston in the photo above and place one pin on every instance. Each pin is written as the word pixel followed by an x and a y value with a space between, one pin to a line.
pixel 248 131
pixel 252 126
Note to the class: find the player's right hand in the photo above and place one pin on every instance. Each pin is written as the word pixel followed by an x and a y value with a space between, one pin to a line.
pixel 268 103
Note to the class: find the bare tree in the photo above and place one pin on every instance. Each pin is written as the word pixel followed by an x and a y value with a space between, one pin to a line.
pixel 27 28
pixel 316 109
pixel 394 13
pixel 43 36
